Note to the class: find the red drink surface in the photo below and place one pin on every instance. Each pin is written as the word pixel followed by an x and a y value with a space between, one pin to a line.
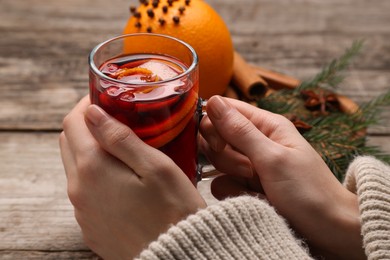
pixel 162 113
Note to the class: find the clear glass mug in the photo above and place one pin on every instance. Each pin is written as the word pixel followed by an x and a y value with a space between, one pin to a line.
pixel 150 82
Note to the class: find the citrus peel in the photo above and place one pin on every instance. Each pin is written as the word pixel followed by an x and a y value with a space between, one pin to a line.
pixel 167 136
pixel 183 109
pixel 147 107
pixel 123 72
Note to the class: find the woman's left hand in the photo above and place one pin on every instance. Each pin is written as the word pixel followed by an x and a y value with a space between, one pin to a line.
pixel 125 193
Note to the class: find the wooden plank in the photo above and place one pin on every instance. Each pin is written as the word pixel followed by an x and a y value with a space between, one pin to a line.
pixel 35 214
pixel 383 142
pixel 39 255
pixel 43 70
pixel 43 56
pixel 302 17
pixel 36 217
pixel 39 224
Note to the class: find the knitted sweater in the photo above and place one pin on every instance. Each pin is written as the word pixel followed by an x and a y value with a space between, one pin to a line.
pixel 248 228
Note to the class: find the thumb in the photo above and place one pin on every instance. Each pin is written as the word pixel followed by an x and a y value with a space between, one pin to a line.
pixel 236 129
pixel 119 140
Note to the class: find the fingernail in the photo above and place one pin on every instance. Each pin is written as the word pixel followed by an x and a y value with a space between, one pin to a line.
pixel 95 114
pixel 218 107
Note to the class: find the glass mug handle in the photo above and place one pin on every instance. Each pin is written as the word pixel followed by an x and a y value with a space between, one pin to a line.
pixel 205 169
pixel 202 103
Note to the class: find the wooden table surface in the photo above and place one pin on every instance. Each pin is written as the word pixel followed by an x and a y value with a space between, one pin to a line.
pixel 43 73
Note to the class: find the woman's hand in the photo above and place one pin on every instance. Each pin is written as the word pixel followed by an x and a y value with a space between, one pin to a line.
pixel 242 140
pixel 125 193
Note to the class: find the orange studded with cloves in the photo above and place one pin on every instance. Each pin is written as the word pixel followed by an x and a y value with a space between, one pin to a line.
pixel 197 23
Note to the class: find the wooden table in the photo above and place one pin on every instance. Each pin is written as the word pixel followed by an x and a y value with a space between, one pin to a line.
pixel 43 73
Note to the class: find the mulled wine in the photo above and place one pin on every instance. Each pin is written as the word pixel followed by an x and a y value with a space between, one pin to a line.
pixel 149 93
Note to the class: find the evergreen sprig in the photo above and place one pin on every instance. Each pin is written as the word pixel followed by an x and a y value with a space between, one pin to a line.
pixel 372 109
pixel 337 136
pixel 330 76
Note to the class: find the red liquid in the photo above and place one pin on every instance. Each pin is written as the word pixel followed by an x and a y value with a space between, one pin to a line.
pixel 161 114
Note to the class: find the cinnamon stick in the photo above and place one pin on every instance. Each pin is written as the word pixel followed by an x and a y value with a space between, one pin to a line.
pixel 255 81
pixel 247 80
pixel 277 80
pixel 231 93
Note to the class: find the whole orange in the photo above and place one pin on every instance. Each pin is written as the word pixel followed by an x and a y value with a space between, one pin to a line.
pixel 198 24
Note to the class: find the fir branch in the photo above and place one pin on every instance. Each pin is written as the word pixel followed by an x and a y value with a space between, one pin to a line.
pixel 330 76
pixel 279 102
pixel 372 109
pixel 338 137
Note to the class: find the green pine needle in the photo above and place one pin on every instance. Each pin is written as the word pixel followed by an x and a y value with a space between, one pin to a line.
pixel 338 137
pixel 330 76
pixel 372 109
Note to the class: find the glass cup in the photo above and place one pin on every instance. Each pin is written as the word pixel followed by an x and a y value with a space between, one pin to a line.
pixel 150 82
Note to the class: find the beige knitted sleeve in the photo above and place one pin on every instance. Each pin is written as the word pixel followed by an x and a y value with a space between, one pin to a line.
pixel 238 228
pixel 370 180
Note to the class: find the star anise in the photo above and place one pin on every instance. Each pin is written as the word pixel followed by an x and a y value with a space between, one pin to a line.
pixel 320 100
pixel 301 126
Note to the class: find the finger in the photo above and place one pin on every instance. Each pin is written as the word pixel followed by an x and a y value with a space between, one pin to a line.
pixel 119 140
pixel 228 160
pixel 78 136
pixel 85 150
pixel 276 127
pixel 208 131
pixel 67 157
pixel 237 129
pixel 266 121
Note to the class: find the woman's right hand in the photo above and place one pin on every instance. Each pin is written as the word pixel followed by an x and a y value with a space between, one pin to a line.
pixel 243 140
pixel 125 193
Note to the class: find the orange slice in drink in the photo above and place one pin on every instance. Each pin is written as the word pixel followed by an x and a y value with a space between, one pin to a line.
pixel 182 111
pixel 167 136
pixel 145 107
pixel 131 71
